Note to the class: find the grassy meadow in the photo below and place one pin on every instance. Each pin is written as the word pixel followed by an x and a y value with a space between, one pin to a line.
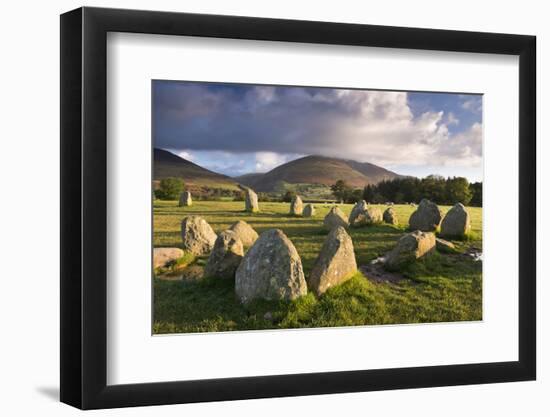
pixel 441 288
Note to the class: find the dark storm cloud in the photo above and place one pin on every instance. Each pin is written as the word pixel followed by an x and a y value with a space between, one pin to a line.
pixel 365 125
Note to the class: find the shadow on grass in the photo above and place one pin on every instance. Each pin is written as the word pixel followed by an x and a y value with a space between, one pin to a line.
pixel 210 305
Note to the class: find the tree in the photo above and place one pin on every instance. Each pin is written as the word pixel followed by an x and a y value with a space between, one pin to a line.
pixel 288 196
pixel 477 194
pixel 169 189
pixel 434 188
pixel 341 190
pixel 369 193
pixel 356 195
pixel 458 191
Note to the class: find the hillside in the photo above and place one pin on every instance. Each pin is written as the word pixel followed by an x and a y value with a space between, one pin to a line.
pixel 318 170
pixel 166 164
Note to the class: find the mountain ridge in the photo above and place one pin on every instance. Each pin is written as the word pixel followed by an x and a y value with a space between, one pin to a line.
pixel 311 169
pixel 316 169
pixel 166 164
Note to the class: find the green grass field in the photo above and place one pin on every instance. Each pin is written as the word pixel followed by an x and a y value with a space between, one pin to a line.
pixel 442 288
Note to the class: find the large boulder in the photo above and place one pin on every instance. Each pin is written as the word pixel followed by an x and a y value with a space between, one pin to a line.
pixel 185 199
pixel 197 235
pixel 335 263
pixel 270 270
pixel 245 232
pixel 165 256
pixel 456 222
pixel 357 213
pixel 390 216
pixel 225 256
pixel 296 206
pixel 335 218
pixel 409 248
pixel 363 215
pixel 426 218
pixel 372 215
pixel 309 210
pixel 250 200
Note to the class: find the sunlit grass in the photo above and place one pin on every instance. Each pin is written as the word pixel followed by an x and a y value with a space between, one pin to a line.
pixel 442 288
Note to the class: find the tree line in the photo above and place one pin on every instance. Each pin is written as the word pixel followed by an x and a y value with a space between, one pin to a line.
pixel 440 190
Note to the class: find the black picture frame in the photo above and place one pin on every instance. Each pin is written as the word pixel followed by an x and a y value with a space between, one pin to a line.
pixel 84 207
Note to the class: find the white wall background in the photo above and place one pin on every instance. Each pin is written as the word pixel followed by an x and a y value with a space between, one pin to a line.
pixel 29 226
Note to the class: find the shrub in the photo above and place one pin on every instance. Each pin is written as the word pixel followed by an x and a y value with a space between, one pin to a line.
pixel 169 189
pixel 288 196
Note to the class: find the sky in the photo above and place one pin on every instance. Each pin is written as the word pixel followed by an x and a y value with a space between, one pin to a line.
pixel 236 129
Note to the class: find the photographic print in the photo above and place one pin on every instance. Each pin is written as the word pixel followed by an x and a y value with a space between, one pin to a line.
pixel 285 207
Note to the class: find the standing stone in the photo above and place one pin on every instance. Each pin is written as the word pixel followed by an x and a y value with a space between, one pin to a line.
pixel 364 215
pixel 373 215
pixel 335 263
pixel 309 210
pixel 390 216
pixel 426 218
pixel 245 232
pixel 250 200
pixel 357 213
pixel 335 218
pixel 456 222
pixel 185 199
pixel 270 270
pixel 296 206
pixel 410 247
pixel 197 235
pixel 164 256
pixel 225 256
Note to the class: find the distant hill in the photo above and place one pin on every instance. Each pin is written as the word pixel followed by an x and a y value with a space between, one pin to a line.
pixel 166 164
pixel 318 170
pixel 249 179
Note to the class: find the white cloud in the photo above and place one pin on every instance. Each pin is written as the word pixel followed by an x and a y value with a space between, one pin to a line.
pixel 452 119
pixel 266 161
pixel 184 154
pixel 464 149
pixel 472 104
pixel 373 126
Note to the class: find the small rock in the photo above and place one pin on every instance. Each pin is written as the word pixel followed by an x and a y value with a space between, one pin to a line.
pixel 250 200
pixel 185 199
pixel 356 216
pixel 245 232
pixel 410 247
pixel 456 222
pixel 296 206
pixel 335 218
pixel 426 218
pixel 268 316
pixel 364 215
pixel 309 210
pixel 164 256
pixel 390 216
pixel 444 245
pixel 225 256
pixel 197 235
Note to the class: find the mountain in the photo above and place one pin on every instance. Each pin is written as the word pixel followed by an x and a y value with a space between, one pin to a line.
pixel 166 164
pixel 318 170
pixel 249 179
